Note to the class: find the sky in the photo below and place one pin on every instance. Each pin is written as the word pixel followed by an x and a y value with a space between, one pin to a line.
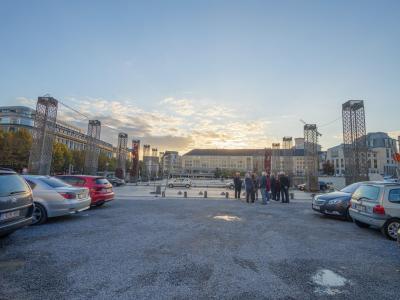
pixel 205 74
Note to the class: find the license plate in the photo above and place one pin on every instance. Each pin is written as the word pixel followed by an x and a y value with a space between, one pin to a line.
pixel 316 206
pixel 361 207
pixel 9 215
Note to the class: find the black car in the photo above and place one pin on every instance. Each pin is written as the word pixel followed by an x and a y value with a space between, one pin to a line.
pixel 336 203
pixel 16 202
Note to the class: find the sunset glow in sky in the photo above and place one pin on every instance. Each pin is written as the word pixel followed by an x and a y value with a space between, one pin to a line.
pixel 205 74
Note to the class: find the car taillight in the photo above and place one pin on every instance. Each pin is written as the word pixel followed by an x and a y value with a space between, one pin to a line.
pixel 379 209
pixel 68 195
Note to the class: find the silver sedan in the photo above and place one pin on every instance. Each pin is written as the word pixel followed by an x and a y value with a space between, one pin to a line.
pixel 53 197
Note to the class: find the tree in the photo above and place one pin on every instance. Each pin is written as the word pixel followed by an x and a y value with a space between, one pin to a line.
pixel 328 168
pixel 78 160
pixel 62 158
pixel 15 149
pixel 104 160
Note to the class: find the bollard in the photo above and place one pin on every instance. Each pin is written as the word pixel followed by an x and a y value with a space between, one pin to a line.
pixel 205 194
pixel 184 194
pixel 292 196
pixel 158 190
pixel 163 194
pixel 227 195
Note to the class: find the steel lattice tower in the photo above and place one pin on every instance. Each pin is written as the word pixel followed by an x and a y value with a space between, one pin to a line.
pixel 43 136
pixel 92 147
pixel 311 156
pixel 135 160
pixel 267 160
pixel 355 141
pixel 288 155
pixel 121 155
pixel 276 159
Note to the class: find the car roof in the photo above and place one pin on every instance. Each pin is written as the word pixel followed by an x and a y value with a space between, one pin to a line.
pixel 29 176
pixel 385 183
pixel 7 171
pixel 81 176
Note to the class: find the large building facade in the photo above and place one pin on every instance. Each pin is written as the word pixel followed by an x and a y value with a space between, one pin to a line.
pixel 381 149
pixel 13 118
pixel 207 161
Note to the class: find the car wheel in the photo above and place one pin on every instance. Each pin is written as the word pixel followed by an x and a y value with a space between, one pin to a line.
pixel 187 186
pixel 4 235
pixel 391 228
pixel 100 204
pixel 170 185
pixel 348 217
pixel 361 224
pixel 39 215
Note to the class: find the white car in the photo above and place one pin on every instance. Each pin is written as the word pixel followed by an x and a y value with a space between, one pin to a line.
pixel 53 197
pixel 180 182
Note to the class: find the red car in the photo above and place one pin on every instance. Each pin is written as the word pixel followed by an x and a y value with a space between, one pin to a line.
pixel 100 189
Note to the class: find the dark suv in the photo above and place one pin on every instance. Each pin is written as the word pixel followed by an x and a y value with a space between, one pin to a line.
pixel 16 202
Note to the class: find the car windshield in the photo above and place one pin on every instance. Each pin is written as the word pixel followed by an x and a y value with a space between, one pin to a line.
pixel 12 184
pixel 101 181
pixel 367 192
pixel 54 182
pixel 351 188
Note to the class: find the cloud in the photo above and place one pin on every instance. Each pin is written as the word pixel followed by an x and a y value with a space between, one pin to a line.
pixel 175 124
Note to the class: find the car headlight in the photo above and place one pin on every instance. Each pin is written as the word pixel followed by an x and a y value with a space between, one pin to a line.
pixel 335 201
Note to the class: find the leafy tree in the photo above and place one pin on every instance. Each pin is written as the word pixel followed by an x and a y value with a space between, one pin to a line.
pixel 78 160
pixel 328 168
pixel 62 158
pixel 103 160
pixel 15 149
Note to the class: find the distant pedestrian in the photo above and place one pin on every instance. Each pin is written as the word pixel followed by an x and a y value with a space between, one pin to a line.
pixel 256 181
pixel 273 187
pixel 237 182
pixel 277 189
pixel 265 186
pixel 249 185
pixel 285 184
pixel 268 188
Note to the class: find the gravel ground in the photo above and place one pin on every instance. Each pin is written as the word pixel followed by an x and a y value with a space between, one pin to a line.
pixel 188 248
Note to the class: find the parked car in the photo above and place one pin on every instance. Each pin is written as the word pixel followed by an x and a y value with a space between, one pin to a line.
pixel 180 182
pixel 16 202
pixel 54 198
pixel 398 236
pixel 115 181
pixel 100 189
pixel 323 186
pixel 377 204
pixel 336 203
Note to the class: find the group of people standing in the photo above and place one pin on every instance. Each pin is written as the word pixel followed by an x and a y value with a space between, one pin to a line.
pixel 270 186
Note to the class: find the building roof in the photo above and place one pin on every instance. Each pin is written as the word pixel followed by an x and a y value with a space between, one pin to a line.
pixel 225 152
pixel 236 152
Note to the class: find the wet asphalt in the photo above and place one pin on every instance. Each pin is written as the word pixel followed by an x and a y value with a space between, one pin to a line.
pixel 198 249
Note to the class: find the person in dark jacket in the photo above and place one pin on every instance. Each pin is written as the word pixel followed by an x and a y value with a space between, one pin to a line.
pixel 285 184
pixel 263 187
pixel 273 190
pixel 256 182
pixel 249 185
pixel 237 182
pixel 277 189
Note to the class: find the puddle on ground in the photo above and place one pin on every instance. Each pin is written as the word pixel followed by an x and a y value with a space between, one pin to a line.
pixel 11 265
pixel 227 218
pixel 329 283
